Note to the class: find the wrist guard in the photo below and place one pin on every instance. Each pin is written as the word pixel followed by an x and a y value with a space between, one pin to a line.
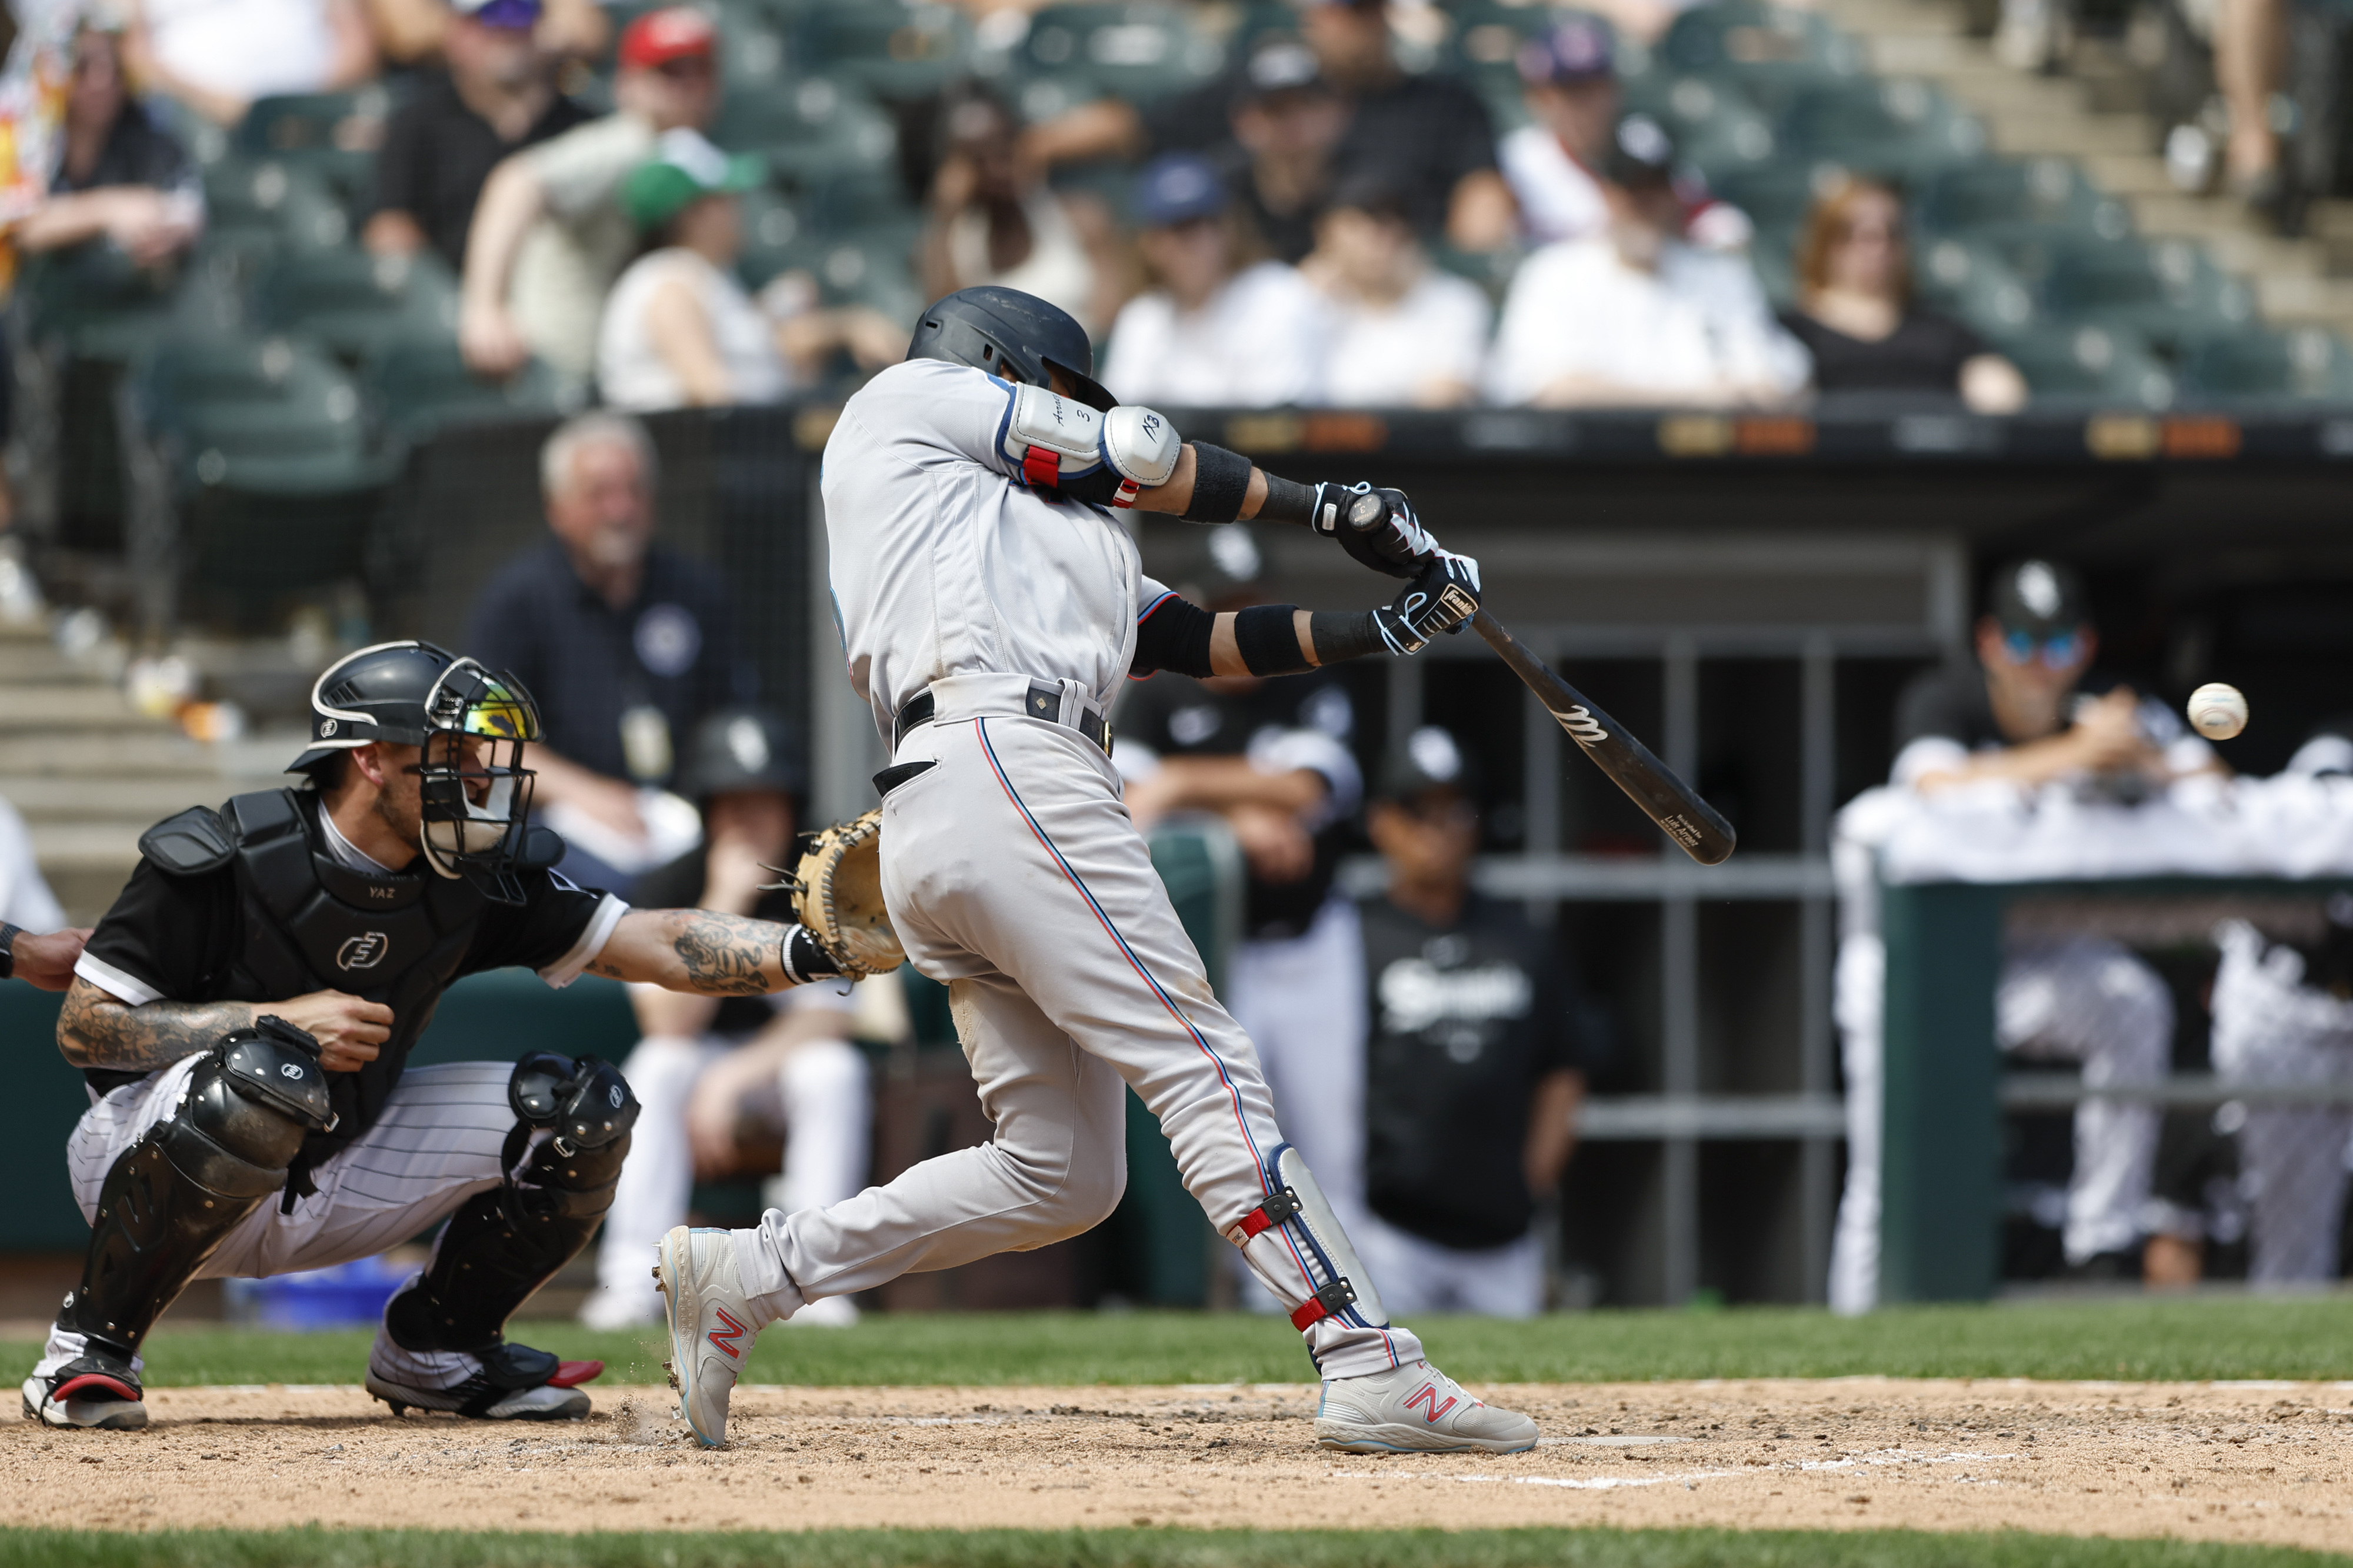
pixel 804 958
pixel 1267 639
pixel 1221 485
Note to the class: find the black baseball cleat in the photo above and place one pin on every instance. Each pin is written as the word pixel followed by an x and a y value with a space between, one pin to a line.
pixel 94 1389
pixel 502 1383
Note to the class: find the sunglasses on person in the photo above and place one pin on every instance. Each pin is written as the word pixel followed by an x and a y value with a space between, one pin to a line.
pixel 2057 651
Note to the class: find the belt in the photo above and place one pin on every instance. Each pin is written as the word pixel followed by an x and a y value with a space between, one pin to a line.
pixel 1044 701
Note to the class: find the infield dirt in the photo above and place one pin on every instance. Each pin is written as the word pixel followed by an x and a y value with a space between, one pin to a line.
pixel 2267 1462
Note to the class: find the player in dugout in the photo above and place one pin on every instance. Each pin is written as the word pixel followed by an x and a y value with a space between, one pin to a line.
pixel 2026 712
pixel 245 1012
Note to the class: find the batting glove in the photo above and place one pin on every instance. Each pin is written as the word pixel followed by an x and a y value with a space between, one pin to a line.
pixel 1443 597
pixel 1376 526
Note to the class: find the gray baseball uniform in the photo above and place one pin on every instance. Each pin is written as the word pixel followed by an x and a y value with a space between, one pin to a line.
pixel 1012 871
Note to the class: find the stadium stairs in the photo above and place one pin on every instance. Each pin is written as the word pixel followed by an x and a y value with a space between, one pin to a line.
pixel 2094 115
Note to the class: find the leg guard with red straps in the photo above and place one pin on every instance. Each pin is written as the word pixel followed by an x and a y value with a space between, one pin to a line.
pixel 1293 1243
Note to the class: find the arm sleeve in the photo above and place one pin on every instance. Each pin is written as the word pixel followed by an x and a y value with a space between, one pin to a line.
pixel 1171 634
pixel 164 938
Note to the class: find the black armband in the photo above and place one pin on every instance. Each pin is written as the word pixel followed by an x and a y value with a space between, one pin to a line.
pixel 1345 633
pixel 1174 635
pixel 1287 500
pixel 1221 485
pixel 1268 638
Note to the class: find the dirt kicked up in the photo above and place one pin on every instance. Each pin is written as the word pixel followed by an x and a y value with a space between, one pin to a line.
pixel 2244 1462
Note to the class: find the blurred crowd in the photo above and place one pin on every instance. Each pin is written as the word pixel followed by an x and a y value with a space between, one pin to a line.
pixel 1314 224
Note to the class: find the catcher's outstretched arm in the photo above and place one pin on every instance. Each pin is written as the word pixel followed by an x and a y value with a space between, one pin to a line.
pixel 716 954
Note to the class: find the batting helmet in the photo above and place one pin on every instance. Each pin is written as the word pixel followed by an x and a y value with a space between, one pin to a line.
pixel 1011 334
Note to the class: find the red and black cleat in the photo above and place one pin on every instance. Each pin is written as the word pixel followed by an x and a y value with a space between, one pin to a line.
pixel 94 1389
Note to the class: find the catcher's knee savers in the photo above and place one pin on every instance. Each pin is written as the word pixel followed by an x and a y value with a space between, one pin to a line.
pixel 1293 1233
pixel 505 1244
pixel 175 1196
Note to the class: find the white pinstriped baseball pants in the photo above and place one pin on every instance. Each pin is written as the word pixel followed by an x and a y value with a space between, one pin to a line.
pixel 1015 876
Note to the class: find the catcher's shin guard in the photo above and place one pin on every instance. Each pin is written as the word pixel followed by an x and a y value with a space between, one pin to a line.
pixel 1295 1245
pixel 175 1196
pixel 505 1244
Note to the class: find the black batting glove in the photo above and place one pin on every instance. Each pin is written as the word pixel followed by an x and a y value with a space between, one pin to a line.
pixel 1376 526
pixel 1443 596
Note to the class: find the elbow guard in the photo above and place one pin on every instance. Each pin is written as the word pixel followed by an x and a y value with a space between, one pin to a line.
pixel 1106 458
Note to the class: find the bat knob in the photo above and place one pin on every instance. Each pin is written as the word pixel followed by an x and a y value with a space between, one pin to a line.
pixel 1367 513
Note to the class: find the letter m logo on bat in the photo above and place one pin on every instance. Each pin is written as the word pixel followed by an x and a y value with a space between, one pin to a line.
pixel 1581 724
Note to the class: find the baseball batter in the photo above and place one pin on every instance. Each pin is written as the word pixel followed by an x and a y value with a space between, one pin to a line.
pixel 990 602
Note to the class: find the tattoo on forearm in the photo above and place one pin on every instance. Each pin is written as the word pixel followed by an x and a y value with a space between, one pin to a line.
pixel 96 1030
pixel 727 955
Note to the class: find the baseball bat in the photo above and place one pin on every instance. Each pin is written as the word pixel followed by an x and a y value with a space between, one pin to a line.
pixel 1695 826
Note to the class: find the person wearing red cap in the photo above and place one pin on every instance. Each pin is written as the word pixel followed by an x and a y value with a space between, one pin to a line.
pixel 549 235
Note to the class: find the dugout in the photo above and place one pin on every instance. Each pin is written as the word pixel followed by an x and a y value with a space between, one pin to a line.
pixel 1748 594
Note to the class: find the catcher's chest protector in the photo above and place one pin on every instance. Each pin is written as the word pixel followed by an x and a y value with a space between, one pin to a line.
pixel 313 924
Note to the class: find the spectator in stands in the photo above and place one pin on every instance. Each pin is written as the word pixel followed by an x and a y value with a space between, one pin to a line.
pixel 549 235
pixel 497 94
pixel 1404 334
pixel 2012 715
pixel 1270 759
pixel 680 331
pixel 705 1064
pixel 42 948
pixel 1473 1057
pixel 1427 135
pixel 215 57
pixel 122 178
pixel 1634 315
pixel 1216 328
pixel 1568 80
pixel 1856 316
pixel 994 219
pixel 1285 125
pixel 625 645
pixel 414 32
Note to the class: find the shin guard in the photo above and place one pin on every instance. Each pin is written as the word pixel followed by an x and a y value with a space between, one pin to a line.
pixel 1295 1245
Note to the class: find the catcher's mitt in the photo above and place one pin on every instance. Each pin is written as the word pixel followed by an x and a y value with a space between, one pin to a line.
pixel 837 888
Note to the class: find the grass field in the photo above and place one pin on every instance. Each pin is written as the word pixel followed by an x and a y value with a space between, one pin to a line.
pixel 1127 1549
pixel 2201 1337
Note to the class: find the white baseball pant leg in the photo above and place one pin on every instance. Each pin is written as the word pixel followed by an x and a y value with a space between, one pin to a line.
pixel 2271 1027
pixel 1859 990
pixel 1302 1003
pixel 1416 1275
pixel 2089 999
pixel 435 1145
pixel 1015 876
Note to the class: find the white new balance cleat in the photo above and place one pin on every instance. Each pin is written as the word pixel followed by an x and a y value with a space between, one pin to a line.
pixel 1415 1408
pixel 710 1325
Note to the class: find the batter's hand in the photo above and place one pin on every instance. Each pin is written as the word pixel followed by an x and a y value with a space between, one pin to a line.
pixel 1445 596
pixel 1376 526
pixel 351 1031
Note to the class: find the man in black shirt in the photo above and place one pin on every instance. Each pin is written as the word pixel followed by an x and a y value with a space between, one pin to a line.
pixel 1473 1061
pixel 626 645
pixel 497 95
pixel 704 1060
pixel 246 1010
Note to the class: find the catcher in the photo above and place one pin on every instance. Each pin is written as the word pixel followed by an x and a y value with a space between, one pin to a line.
pixel 245 1012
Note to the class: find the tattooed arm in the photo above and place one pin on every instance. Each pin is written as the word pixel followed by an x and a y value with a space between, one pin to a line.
pixel 96 1029
pixel 696 950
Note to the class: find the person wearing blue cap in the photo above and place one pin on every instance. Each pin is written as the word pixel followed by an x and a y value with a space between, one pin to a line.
pixel 1217 329
pixel 498 94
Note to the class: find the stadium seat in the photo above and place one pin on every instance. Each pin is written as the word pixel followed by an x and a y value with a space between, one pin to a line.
pixel 2088 367
pixel 897 48
pixel 356 303
pixel 1137 51
pixel 1974 283
pixel 422 386
pixel 334 134
pixel 2249 366
pixel 1771 50
pixel 811 131
pixel 1717 126
pixel 2002 201
pixel 2168 292
pixel 256 208
pixel 1900 129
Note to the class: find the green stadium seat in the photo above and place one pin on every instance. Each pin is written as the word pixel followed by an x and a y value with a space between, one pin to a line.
pixel 256 208
pixel 2168 292
pixel 356 303
pixel 1717 127
pixel 1899 129
pixel 897 48
pixel 1137 51
pixel 423 385
pixel 811 131
pixel 334 134
pixel 2041 198
pixel 2088 367
pixel 2308 366
pixel 1772 50
pixel 1974 283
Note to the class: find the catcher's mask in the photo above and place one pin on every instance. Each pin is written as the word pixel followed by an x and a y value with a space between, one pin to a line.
pixel 474 791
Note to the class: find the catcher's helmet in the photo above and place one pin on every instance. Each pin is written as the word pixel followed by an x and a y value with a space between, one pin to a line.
pixel 742 749
pixel 376 694
pixel 1011 334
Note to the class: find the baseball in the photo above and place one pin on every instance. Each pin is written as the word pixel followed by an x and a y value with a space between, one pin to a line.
pixel 2217 712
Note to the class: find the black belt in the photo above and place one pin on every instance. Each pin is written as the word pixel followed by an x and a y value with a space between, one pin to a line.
pixel 1044 701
